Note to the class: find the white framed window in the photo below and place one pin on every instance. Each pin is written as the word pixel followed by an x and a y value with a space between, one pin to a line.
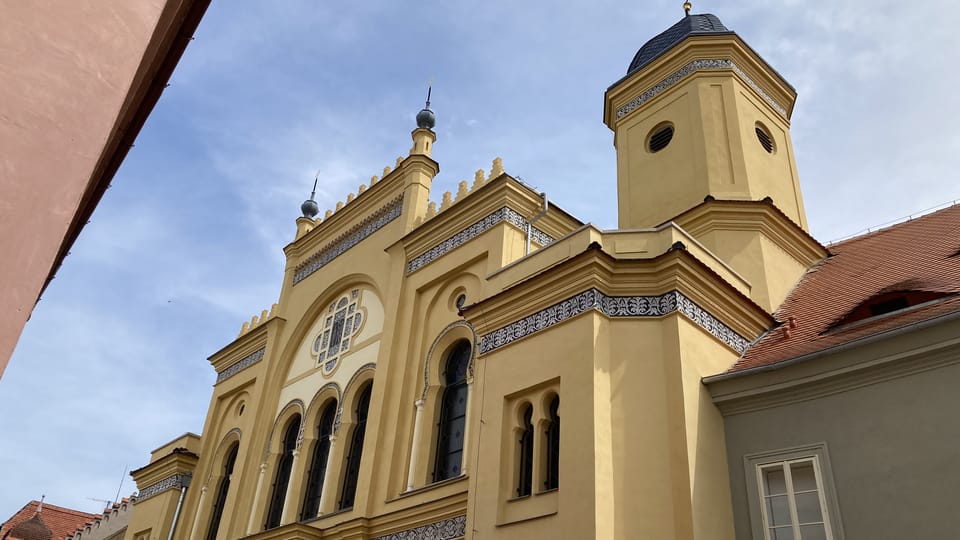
pixel 791 495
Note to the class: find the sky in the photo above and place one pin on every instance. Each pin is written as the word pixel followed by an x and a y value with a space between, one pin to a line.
pixel 187 244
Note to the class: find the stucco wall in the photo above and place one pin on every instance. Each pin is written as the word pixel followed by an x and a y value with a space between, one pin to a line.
pixel 893 448
pixel 67 68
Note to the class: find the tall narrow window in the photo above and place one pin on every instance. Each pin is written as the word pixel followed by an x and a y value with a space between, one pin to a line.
pixel 552 480
pixel 222 491
pixel 356 449
pixel 525 481
pixel 283 472
pixel 318 464
pixel 453 413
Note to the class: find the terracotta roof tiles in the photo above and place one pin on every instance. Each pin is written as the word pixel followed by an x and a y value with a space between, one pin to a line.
pixel 918 255
pixel 61 521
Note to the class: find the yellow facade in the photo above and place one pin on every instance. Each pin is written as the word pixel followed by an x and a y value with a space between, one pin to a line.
pixel 620 326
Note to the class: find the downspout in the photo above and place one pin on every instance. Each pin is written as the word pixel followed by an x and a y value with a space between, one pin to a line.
pixel 535 219
pixel 184 483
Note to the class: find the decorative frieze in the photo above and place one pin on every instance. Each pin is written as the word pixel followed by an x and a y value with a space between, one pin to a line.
pixel 243 364
pixel 447 529
pixel 175 481
pixel 694 66
pixel 347 240
pixel 469 233
pixel 612 306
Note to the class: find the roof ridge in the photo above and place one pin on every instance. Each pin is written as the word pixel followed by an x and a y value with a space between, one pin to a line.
pixel 886 226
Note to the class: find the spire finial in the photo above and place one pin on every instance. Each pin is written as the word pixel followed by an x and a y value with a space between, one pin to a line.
pixel 425 118
pixel 687 6
pixel 310 208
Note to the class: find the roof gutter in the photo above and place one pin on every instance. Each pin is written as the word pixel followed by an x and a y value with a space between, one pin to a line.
pixel 860 342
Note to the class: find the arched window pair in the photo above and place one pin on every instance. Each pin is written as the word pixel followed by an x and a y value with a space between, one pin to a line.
pixel 318 462
pixel 549 455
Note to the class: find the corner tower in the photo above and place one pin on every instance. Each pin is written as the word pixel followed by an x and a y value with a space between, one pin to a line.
pixel 700 113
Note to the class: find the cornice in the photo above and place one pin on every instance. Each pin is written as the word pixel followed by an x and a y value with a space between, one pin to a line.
pixel 175 481
pixel 245 346
pixel 374 197
pixel 177 462
pixel 501 200
pixel 895 354
pixel 714 53
pixel 636 280
pixel 349 238
pixel 760 216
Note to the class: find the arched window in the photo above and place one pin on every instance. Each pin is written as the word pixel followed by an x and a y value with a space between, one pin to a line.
pixel 283 472
pixel 552 479
pixel 525 480
pixel 356 449
pixel 318 465
pixel 453 413
pixel 222 491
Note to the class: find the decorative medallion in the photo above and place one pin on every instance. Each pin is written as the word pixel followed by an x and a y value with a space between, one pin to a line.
pixel 243 364
pixel 612 306
pixel 447 529
pixel 175 481
pixel 694 66
pixel 350 238
pixel 465 235
pixel 342 321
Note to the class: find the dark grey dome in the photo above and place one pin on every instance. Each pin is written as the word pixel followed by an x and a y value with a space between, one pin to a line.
pixel 426 118
pixel 703 24
pixel 310 208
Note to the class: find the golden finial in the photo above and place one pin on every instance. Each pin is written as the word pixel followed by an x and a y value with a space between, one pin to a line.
pixel 687 6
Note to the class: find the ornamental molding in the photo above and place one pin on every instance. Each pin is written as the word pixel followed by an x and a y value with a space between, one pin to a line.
pixel 501 215
pixel 176 481
pixel 447 529
pixel 612 306
pixel 353 236
pixel 692 67
pixel 433 347
pixel 243 364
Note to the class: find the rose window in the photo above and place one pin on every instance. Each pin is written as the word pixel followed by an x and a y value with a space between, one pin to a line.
pixel 342 321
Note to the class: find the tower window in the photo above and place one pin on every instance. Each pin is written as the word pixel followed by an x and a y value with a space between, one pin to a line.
pixel 660 137
pixel 222 491
pixel 766 141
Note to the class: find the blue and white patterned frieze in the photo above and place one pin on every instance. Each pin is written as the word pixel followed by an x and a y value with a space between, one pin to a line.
pixel 243 364
pixel 698 65
pixel 503 214
pixel 612 306
pixel 347 240
pixel 176 481
pixel 447 529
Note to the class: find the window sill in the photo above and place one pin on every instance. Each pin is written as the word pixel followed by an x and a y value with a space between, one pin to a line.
pixel 430 487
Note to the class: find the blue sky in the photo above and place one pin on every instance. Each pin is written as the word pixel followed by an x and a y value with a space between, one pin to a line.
pixel 188 242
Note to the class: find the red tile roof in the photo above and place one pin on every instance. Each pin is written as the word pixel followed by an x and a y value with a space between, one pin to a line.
pixel 918 255
pixel 61 521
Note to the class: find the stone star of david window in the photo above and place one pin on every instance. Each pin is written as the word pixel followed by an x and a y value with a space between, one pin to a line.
pixel 341 322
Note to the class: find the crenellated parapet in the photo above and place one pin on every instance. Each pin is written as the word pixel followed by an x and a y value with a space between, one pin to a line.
pixel 464 188
pixel 256 320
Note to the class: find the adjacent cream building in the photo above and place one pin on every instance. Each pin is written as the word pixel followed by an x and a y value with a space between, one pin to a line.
pixel 481 364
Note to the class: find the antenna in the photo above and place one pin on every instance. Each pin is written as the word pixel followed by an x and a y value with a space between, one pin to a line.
pixel 106 503
pixel 122 477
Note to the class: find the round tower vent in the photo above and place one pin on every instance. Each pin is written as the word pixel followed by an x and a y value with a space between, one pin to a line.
pixel 766 141
pixel 660 137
